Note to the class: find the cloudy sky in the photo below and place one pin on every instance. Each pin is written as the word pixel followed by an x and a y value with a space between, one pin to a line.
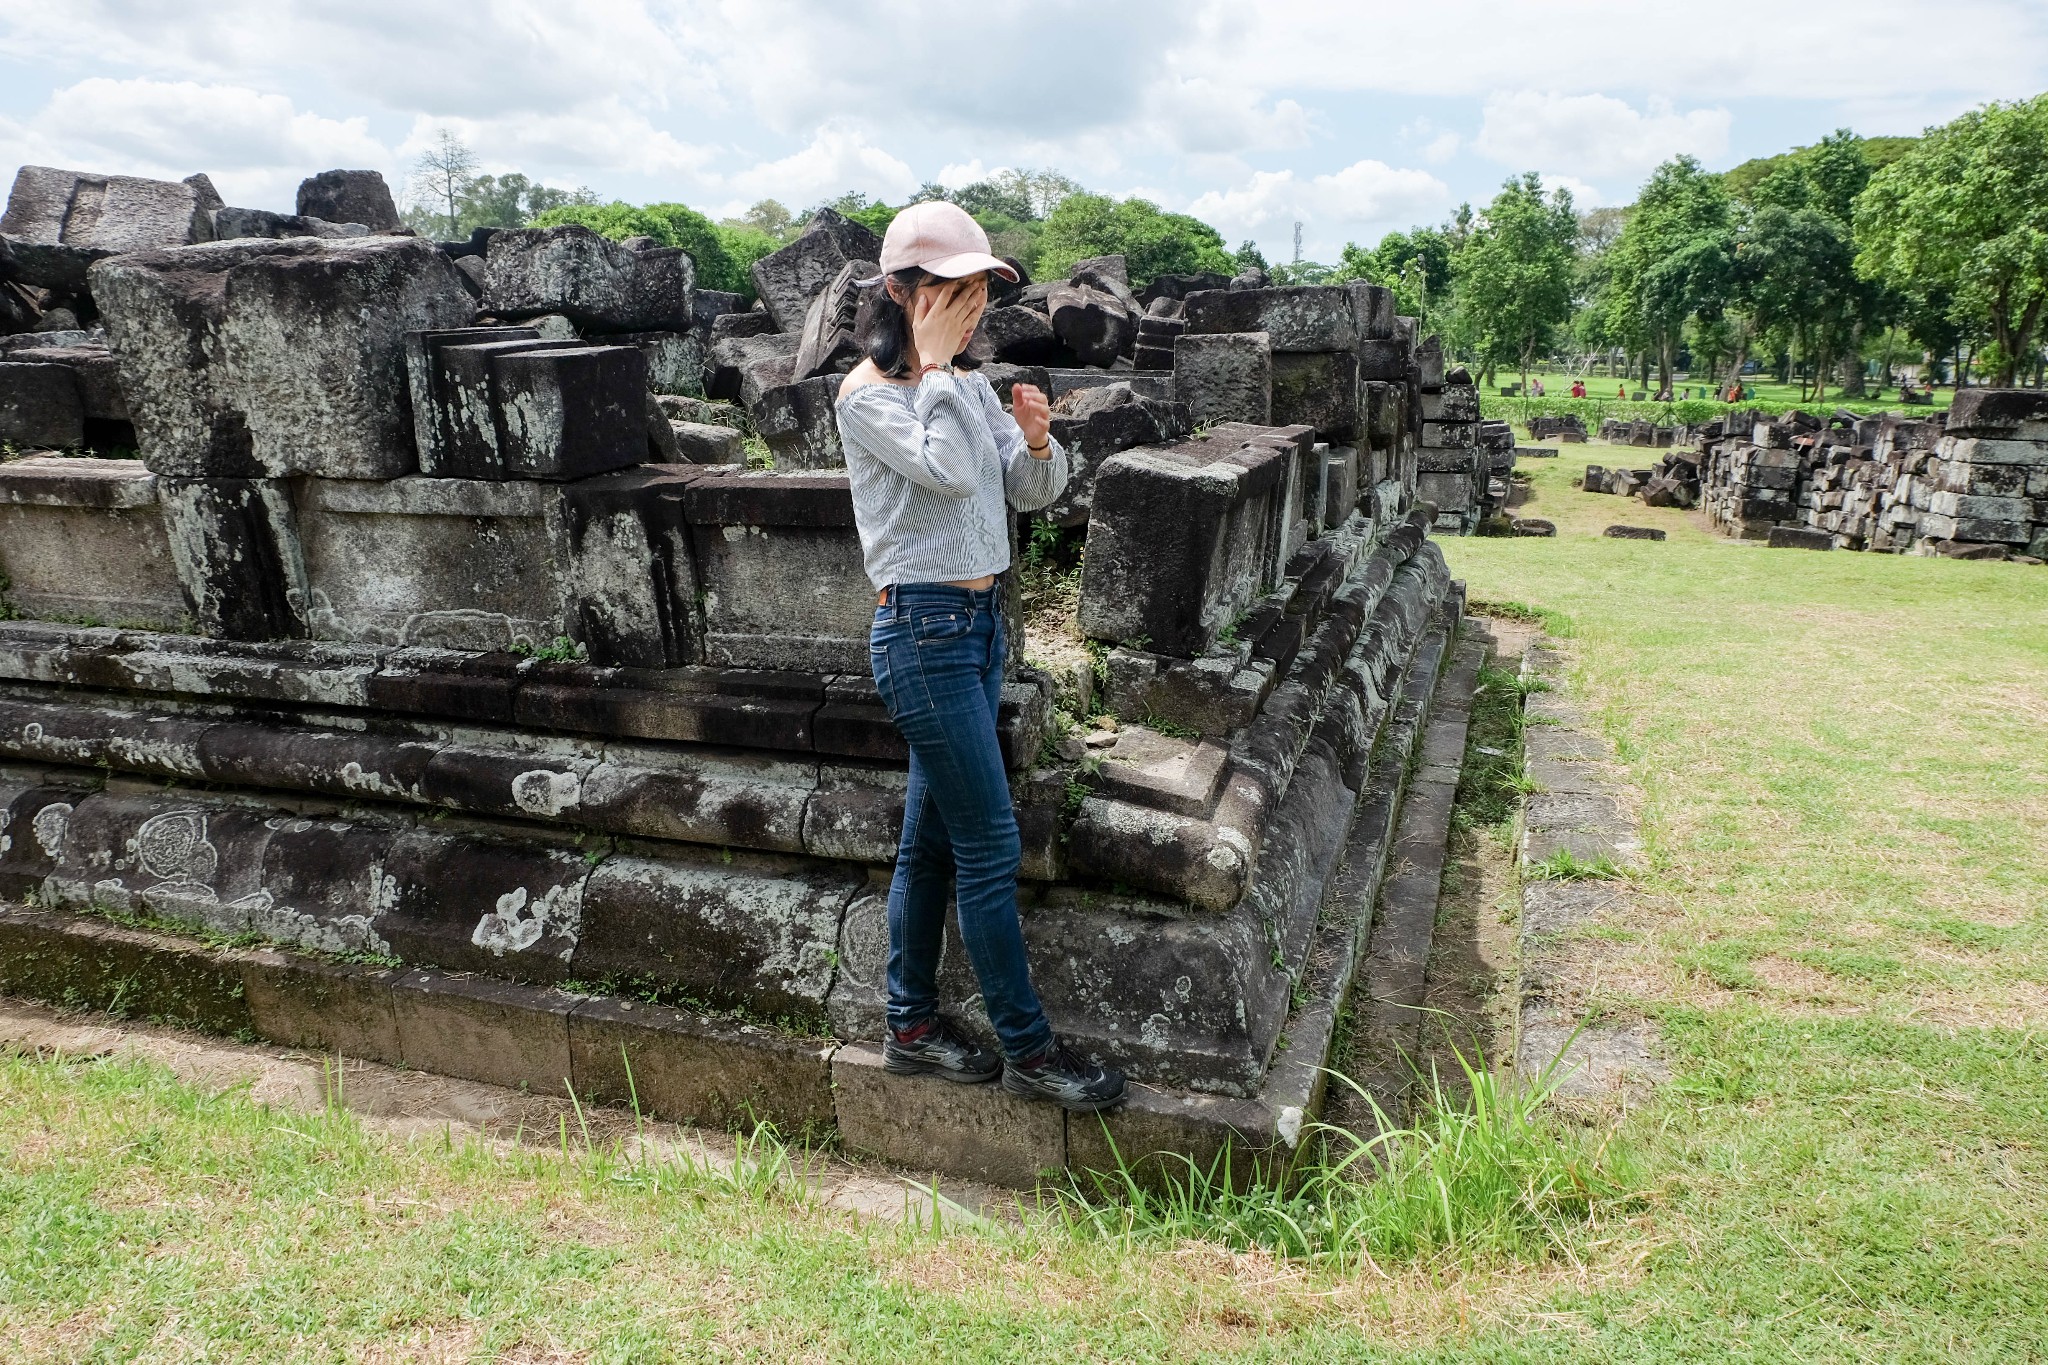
pixel 1350 118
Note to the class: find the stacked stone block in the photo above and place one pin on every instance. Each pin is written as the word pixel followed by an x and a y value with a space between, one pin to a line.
pixel 1336 359
pixel 1463 463
pixel 1968 483
pixel 1752 487
pixel 1988 481
pixel 59 222
pixel 1569 429
pixel 1636 432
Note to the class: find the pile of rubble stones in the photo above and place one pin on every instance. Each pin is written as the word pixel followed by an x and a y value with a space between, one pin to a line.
pixel 1124 367
pixel 1969 483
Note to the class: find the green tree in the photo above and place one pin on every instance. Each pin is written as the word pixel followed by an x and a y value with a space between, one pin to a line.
pixel 1839 168
pixel 1713 340
pixel 1795 273
pixel 1928 317
pixel 872 214
pixel 1825 179
pixel 1151 241
pixel 1966 211
pixel 670 224
pixel 1742 181
pixel 1011 206
pixel 998 197
pixel 437 180
pixel 1041 190
pixel 1424 252
pixel 768 217
pixel 745 245
pixel 1307 272
pixel 1672 259
pixel 1514 272
pixel 1248 256
pixel 1415 264
pixel 1595 321
pixel 509 201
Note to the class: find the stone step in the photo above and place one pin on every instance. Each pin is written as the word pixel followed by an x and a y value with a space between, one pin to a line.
pixel 700 1067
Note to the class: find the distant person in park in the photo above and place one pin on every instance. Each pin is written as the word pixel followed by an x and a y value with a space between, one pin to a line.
pixel 1578 388
pixel 936 467
pixel 1621 390
pixel 1536 388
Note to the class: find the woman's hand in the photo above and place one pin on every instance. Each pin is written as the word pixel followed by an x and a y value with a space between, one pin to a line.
pixel 945 318
pixel 1034 417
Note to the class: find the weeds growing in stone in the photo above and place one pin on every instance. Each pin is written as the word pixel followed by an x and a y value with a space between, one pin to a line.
pixel 1566 866
pixel 1489 783
pixel 1484 1172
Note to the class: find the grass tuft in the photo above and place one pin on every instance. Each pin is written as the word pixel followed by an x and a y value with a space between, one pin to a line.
pixel 1555 622
pixel 1566 866
pixel 1484 1174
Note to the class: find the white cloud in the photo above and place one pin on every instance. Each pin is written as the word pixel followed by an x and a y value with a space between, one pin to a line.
pixel 1435 145
pixel 837 159
pixel 1357 203
pixel 958 174
pixel 1584 196
pixel 448 60
pixel 1221 118
pixel 255 146
pixel 710 100
pixel 1979 49
pixel 569 146
pixel 1595 135
pixel 1039 71
pixel 1151 194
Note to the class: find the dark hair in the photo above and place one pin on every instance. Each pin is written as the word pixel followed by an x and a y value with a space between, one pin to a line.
pixel 882 326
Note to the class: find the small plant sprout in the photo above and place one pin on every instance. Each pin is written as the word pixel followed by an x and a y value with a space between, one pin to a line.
pixel 1566 866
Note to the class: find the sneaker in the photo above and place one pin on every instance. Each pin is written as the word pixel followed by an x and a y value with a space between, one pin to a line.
pixel 936 1048
pixel 1069 1081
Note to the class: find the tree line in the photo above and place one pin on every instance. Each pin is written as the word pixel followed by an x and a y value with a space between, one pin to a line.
pixel 1041 218
pixel 1817 262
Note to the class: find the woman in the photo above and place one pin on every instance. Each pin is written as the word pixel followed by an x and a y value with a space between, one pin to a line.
pixel 936 464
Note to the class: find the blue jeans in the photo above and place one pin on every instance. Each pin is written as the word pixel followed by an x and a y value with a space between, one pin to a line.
pixel 937 654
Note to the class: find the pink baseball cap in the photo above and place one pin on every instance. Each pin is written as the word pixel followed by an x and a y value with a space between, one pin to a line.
pixel 942 239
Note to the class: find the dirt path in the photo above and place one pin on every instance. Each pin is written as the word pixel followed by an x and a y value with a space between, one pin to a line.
pixel 1471 979
pixel 1474 968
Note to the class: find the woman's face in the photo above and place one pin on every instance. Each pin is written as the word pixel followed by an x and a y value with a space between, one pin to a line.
pixel 973 288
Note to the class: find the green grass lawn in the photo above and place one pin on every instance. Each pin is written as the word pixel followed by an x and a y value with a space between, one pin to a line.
pixel 1601 401
pixel 1558 384
pixel 1844 767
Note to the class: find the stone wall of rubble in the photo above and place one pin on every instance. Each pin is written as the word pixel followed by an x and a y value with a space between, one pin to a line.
pixel 1464 462
pixel 1968 483
pixel 441 597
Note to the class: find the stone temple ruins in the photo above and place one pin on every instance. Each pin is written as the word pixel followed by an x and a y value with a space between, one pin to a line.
pixel 1970 482
pixel 454 655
